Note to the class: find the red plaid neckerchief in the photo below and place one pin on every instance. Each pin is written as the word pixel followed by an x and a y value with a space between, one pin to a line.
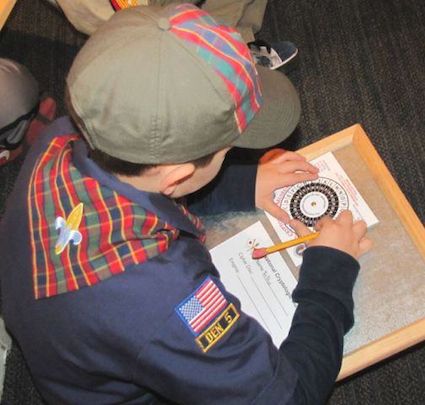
pixel 83 232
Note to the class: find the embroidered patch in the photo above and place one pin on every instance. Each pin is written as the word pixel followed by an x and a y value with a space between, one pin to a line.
pixel 68 229
pixel 201 307
pixel 218 329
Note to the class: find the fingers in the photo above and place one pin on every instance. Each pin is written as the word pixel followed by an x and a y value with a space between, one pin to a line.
pixel 297 166
pixel 276 211
pixel 340 233
pixel 322 222
pixel 274 154
pixel 359 229
pixel 365 245
pixel 271 154
pixel 294 178
pixel 281 155
pixel 294 172
pixel 345 217
pixel 299 228
pixel 288 155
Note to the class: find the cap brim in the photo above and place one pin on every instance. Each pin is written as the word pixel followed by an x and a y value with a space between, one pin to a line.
pixel 278 116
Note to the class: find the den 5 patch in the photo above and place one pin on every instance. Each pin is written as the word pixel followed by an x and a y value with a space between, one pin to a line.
pixel 207 314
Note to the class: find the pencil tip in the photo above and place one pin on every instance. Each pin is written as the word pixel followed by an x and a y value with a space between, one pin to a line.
pixel 259 253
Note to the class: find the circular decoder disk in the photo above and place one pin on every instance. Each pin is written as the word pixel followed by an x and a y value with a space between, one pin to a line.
pixel 311 200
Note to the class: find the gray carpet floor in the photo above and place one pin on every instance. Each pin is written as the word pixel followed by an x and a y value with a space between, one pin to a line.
pixel 360 61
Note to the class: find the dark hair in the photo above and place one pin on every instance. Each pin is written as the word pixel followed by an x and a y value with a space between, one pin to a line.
pixel 115 165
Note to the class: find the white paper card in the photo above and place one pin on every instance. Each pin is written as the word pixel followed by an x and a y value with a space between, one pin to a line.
pixel 332 193
pixel 263 286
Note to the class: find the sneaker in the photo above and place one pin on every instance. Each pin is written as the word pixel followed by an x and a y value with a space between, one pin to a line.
pixel 10 148
pixel 274 55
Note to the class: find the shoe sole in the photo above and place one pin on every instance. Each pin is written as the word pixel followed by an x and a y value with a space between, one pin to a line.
pixel 285 61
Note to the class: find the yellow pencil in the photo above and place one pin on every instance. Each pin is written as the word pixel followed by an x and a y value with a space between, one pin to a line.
pixel 261 252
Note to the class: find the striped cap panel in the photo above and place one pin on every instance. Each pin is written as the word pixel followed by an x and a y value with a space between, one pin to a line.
pixel 223 48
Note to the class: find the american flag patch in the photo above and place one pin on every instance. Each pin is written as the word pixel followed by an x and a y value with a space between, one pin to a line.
pixel 201 307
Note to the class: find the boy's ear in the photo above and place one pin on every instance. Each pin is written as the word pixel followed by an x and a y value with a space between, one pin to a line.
pixel 173 176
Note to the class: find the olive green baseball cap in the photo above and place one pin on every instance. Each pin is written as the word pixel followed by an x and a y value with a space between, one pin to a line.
pixel 169 85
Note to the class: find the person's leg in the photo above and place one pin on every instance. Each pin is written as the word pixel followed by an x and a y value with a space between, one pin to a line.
pixel 24 112
pixel 19 99
pixel 245 15
pixel 86 15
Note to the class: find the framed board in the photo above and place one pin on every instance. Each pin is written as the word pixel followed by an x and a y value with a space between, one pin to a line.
pixel 5 9
pixel 389 294
pixel 407 335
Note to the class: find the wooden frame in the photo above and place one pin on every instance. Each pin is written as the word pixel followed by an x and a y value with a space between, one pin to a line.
pixel 6 7
pixel 414 333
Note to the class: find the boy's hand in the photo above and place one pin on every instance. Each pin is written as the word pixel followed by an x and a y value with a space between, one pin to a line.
pixel 340 233
pixel 276 169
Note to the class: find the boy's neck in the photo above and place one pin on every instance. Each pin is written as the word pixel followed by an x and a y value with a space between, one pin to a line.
pixel 145 182
pixel 171 180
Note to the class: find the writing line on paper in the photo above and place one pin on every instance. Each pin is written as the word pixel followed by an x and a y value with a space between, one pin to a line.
pixel 264 287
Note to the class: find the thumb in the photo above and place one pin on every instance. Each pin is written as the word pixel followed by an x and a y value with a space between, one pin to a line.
pixel 275 211
pixel 299 228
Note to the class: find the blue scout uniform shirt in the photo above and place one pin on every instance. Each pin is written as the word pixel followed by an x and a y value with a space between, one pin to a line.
pixel 150 335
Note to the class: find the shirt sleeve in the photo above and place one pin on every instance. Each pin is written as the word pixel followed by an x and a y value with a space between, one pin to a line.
pixel 314 346
pixel 232 190
pixel 233 360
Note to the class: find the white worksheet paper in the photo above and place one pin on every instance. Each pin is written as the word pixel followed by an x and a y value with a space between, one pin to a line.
pixel 264 287
pixel 329 169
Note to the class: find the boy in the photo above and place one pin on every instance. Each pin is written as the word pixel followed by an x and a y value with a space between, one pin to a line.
pixel 108 288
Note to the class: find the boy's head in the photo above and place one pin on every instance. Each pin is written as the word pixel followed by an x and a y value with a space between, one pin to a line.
pixel 169 85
